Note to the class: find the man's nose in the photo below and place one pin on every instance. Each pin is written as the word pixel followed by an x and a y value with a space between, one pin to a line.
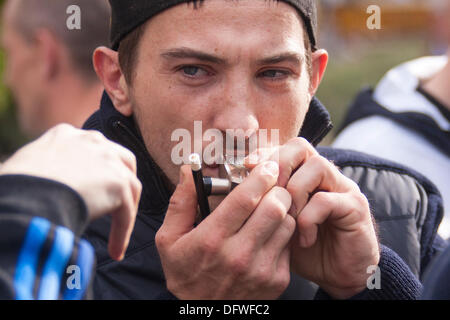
pixel 237 109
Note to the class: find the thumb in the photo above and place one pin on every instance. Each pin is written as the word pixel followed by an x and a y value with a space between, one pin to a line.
pixel 180 216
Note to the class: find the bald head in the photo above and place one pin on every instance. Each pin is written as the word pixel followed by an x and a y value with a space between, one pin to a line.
pixel 28 16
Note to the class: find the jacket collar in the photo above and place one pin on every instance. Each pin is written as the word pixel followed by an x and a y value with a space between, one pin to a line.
pixel 155 193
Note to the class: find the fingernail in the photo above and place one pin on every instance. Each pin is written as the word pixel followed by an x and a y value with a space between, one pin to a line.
pixel 270 168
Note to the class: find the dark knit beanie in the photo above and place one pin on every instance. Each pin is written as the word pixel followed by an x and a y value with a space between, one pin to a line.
pixel 127 15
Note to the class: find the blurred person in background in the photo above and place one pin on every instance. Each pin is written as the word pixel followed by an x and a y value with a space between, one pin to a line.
pixel 48 66
pixel 406 118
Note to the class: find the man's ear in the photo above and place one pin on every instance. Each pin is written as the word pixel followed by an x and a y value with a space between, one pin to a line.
pixel 319 64
pixel 106 65
pixel 49 54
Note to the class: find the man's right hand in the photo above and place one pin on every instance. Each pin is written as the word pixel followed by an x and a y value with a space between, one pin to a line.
pixel 102 172
pixel 239 251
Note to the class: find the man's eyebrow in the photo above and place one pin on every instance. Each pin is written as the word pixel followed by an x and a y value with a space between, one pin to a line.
pixel 185 53
pixel 292 57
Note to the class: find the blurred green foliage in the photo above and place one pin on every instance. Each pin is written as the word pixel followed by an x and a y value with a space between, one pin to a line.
pixel 10 136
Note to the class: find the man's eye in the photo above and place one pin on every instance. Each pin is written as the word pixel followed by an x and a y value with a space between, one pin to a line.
pixel 274 74
pixel 193 71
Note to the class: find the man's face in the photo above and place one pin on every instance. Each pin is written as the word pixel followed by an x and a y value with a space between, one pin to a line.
pixel 231 65
pixel 21 73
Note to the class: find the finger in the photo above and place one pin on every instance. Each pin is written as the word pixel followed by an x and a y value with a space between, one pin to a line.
pixel 284 259
pixel 136 190
pixel 63 129
pixel 278 243
pixel 182 210
pixel 267 218
pixel 122 223
pixel 341 211
pixel 258 156
pixel 135 186
pixel 282 269
pixel 237 207
pixel 317 173
pixel 290 156
pixel 127 157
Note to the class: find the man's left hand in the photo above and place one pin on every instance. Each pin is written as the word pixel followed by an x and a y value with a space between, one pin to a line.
pixel 335 240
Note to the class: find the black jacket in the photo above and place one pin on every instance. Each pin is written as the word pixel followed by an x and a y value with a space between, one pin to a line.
pixel 407 207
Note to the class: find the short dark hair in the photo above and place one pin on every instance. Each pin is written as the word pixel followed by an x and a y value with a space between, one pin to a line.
pixel 128 49
pixel 31 15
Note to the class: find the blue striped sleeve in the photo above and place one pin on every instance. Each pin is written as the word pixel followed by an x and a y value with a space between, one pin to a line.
pixel 55 265
pixel 27 263
pixel 78 283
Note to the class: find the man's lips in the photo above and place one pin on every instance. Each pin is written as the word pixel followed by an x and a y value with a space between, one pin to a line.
pixel 237 153
pixel 212 166
pixel 209 171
